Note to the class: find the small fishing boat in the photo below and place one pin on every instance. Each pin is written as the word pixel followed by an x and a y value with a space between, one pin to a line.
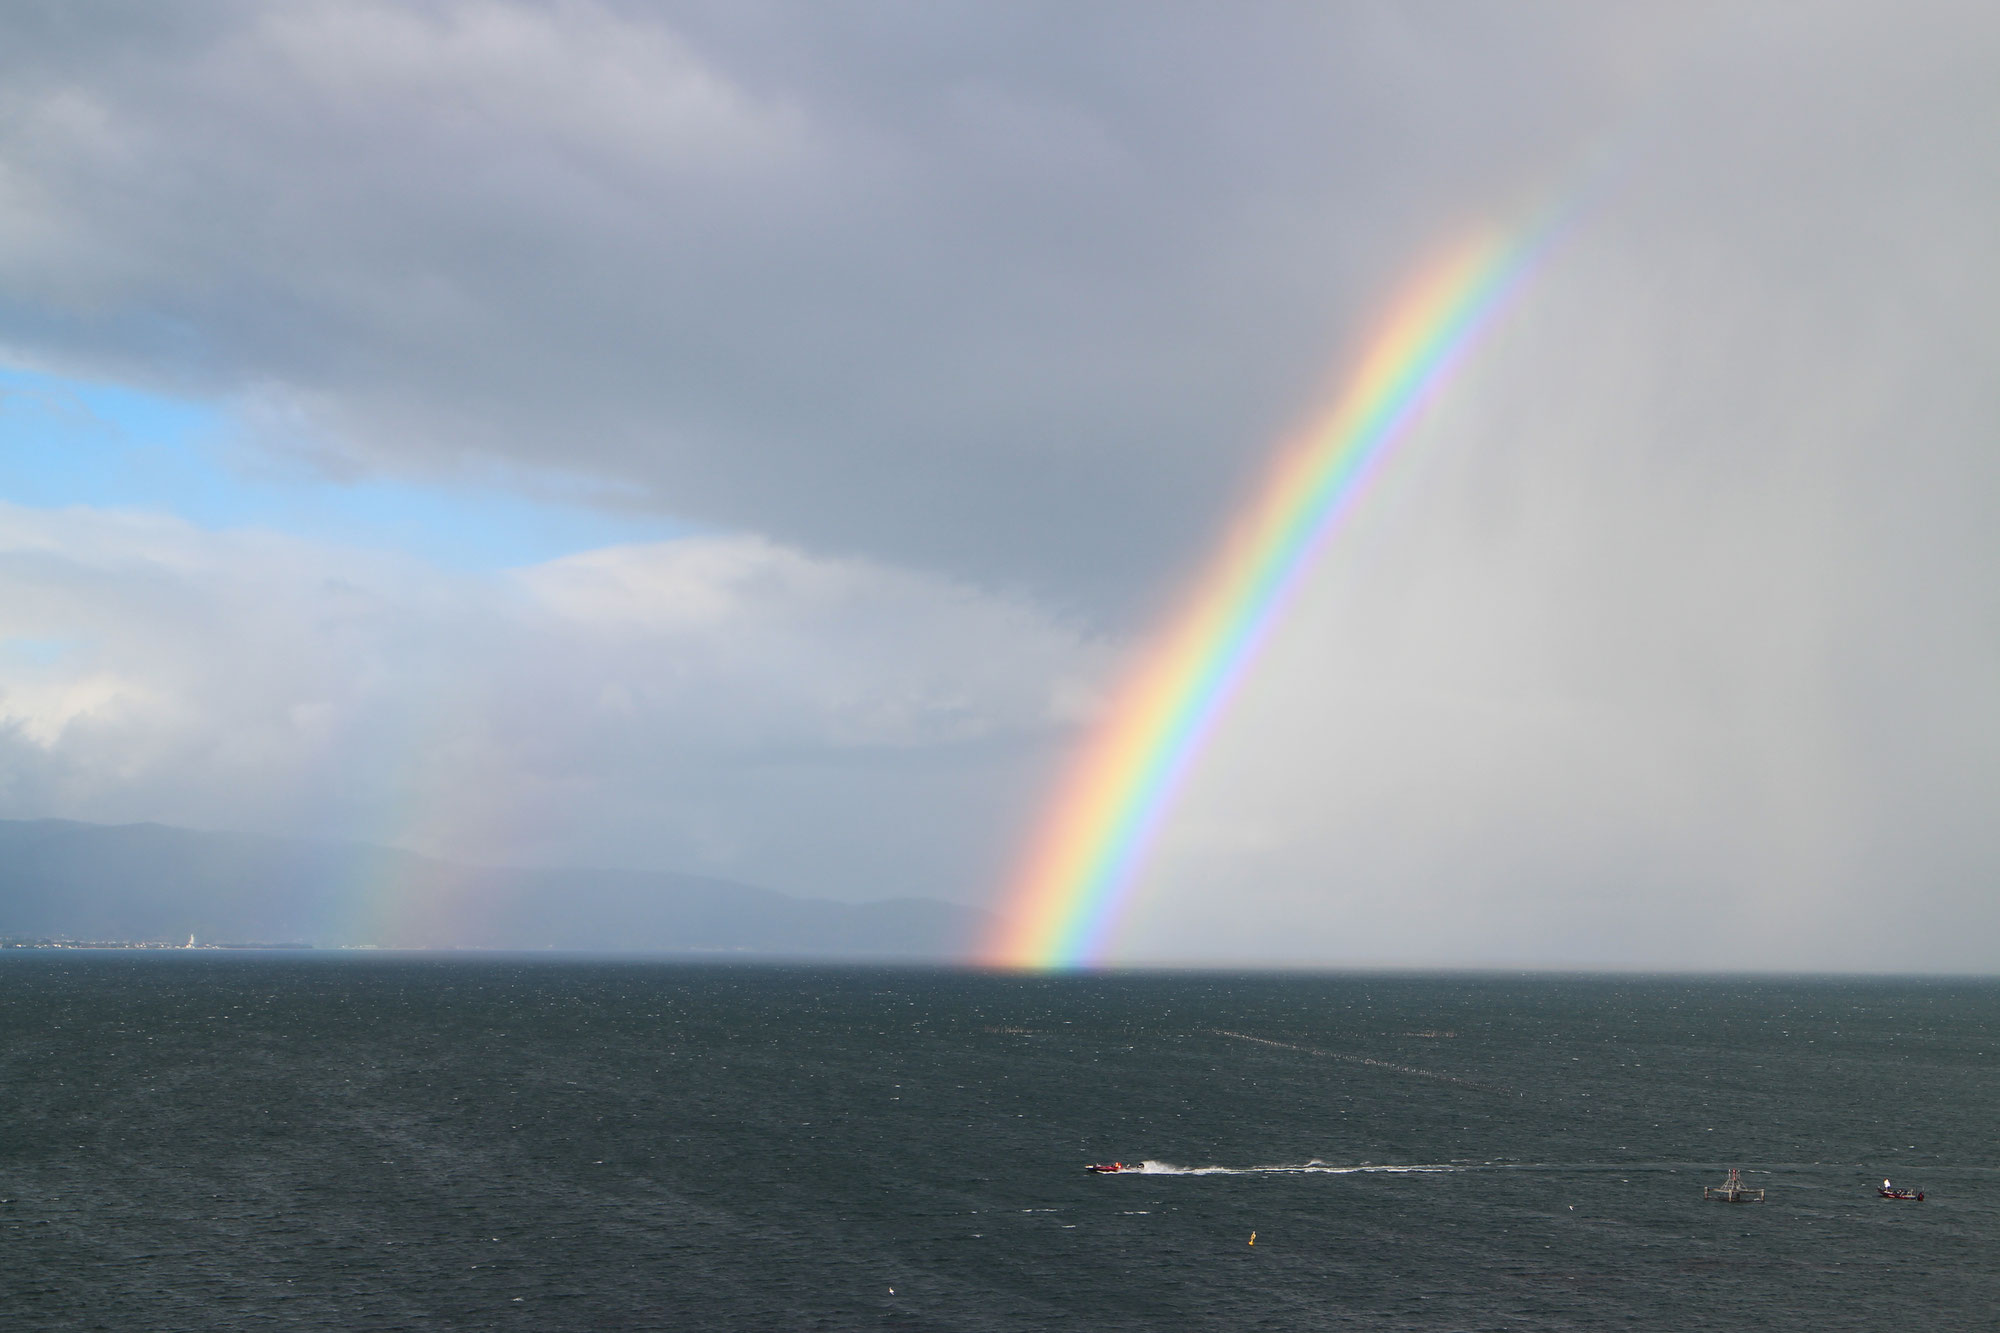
pixel 1108 1168
pixel 1733 1190
pixel 1889 1191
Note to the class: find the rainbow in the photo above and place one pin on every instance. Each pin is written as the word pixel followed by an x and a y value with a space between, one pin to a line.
pixel 1081 867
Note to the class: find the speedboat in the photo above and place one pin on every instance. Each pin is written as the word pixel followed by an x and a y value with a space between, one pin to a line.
pixel 1889 1191
pixel 1108 1168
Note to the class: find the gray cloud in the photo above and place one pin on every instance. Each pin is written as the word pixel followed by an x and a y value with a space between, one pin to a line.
pixel 952 286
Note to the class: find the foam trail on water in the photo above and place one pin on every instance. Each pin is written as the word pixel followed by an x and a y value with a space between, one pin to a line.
pixel 1315 1167
pixel 1365 1060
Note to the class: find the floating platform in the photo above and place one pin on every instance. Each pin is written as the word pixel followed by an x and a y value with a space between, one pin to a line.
pixel 1733 1190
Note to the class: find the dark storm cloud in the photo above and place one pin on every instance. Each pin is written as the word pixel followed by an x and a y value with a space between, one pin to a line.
pixel 1018 291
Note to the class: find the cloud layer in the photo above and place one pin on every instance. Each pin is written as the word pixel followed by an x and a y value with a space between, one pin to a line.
pixel 716 704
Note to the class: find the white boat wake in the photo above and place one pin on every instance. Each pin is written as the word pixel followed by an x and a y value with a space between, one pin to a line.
pixel 1315 1167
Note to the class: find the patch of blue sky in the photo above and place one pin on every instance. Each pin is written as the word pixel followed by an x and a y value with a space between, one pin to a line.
pixel 37 652
pixel 70 442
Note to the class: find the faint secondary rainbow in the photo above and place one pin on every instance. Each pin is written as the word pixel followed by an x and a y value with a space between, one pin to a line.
pixel 1081 867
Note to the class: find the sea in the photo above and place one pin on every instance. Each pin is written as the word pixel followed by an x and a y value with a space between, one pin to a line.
pixel 211 1140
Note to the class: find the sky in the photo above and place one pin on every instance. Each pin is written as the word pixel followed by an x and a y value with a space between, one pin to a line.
pixel 757 439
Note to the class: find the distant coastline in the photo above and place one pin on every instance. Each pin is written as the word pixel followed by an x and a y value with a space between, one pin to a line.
pixel 17 942
pixel 71 885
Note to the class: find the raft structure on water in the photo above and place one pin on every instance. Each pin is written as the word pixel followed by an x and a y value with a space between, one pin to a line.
pixel 1733 1190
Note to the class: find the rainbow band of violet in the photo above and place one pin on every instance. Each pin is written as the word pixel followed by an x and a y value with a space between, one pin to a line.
pixel 1085 859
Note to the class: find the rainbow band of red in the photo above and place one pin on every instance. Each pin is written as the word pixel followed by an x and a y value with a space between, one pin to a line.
pixel 1081 868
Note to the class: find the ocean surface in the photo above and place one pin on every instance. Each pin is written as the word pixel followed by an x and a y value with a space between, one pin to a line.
pixel 229 1141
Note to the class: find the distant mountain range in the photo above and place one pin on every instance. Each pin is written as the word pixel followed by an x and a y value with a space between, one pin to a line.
pixel 60 879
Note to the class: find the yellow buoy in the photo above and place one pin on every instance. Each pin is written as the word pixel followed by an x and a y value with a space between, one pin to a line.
pixel 1253 1238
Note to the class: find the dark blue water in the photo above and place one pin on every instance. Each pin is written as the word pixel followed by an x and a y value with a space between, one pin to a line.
pixel 257 1142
